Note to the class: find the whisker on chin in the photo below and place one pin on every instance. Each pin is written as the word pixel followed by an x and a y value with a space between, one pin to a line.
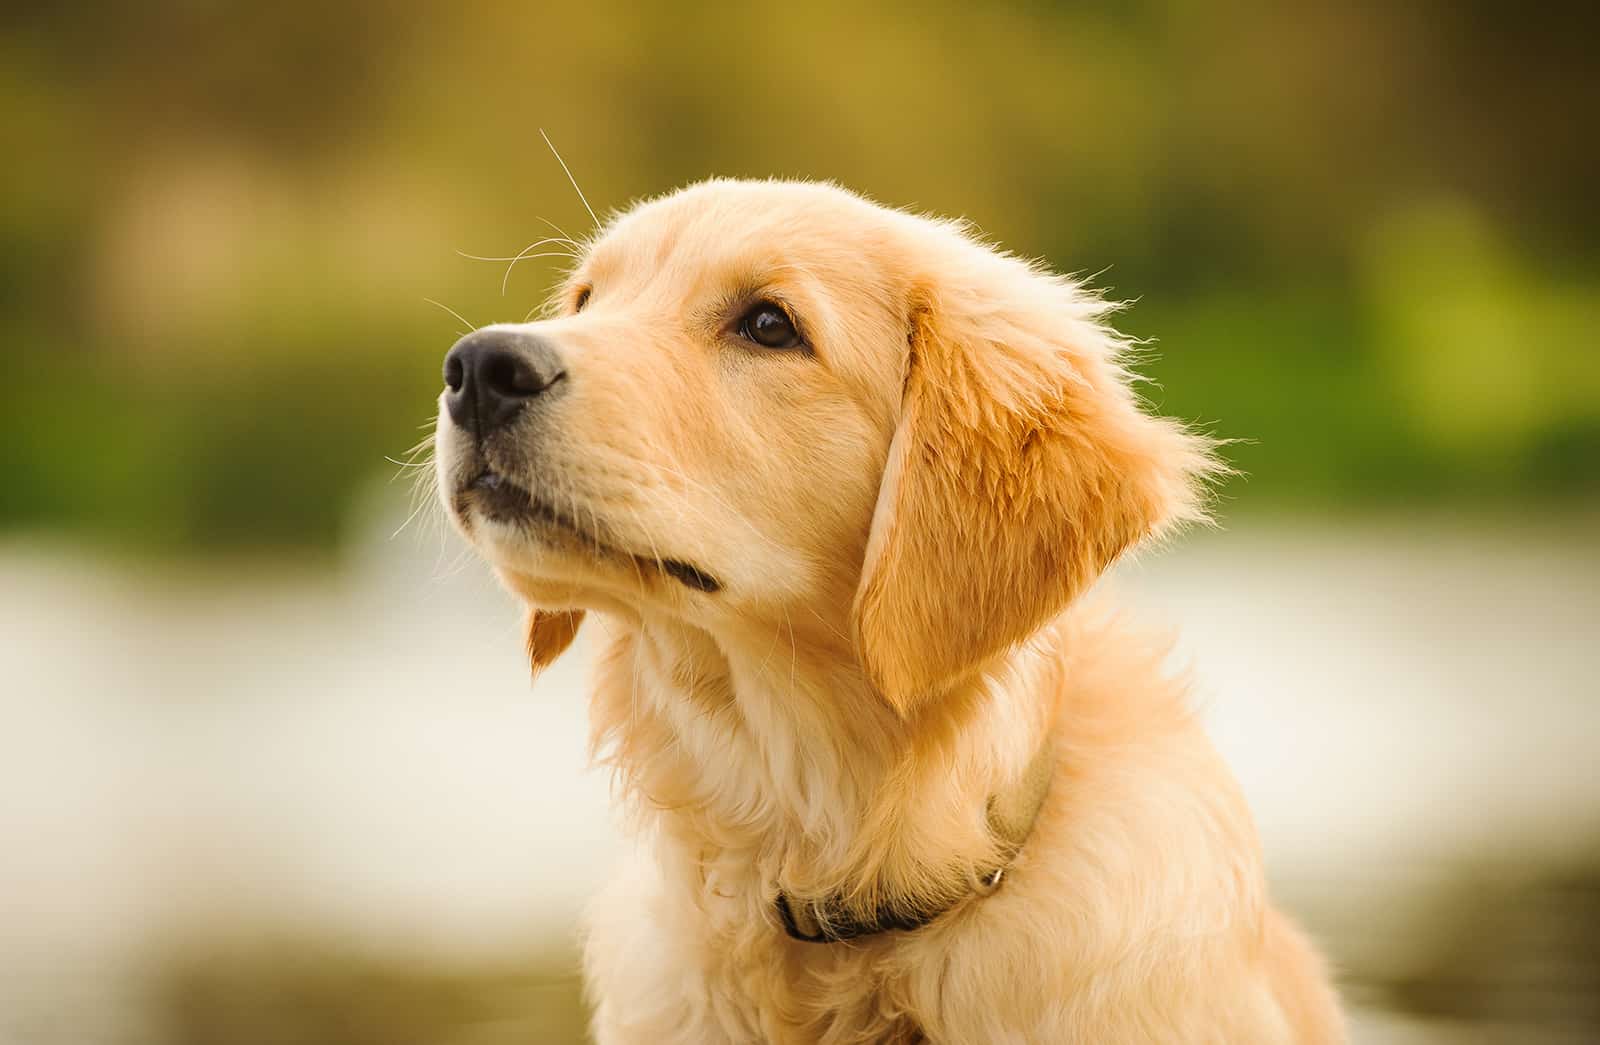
pixel 421 494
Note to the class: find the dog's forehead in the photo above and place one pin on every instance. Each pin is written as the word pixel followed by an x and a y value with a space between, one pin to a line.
pixel 744 228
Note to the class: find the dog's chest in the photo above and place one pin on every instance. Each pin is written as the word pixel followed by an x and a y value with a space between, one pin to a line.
pixel 794 992
pixel 705 967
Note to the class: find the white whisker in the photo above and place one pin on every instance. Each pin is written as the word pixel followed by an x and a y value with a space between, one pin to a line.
pixel 524 254
pixel 519 255
pixel 471 326
pixel 584 199
pixel 559 231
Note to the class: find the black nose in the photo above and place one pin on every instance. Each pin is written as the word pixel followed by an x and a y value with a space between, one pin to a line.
pixel 490 375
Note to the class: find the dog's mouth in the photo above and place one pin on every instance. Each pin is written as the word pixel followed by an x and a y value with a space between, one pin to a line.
pixel 493 496
pixel 500 499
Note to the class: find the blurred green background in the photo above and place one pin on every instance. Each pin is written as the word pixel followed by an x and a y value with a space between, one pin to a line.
pixel 1363 236
pixel 253 795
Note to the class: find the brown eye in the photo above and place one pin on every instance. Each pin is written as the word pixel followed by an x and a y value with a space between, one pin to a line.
pixel 769 326
pixel 583 298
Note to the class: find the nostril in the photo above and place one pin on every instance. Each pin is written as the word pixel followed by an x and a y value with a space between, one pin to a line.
pixel 510 376
pixel 490 375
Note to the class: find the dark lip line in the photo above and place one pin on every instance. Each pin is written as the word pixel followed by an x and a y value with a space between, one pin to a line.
pixel 532 508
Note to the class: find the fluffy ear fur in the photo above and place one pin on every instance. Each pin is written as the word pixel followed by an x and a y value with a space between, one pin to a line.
pixel 1021 467
pixel 550 632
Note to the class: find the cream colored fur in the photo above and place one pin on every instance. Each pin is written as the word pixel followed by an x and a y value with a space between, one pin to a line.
pixel 904 520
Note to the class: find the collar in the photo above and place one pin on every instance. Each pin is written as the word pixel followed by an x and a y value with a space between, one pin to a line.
pixel 1012 813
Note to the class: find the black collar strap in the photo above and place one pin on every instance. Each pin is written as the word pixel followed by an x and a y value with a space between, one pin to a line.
pixel 1012 814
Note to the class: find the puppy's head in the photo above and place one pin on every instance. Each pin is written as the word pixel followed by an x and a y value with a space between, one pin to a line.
pixel 776 402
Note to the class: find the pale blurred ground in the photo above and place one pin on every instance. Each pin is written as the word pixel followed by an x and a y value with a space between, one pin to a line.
pixel 204 766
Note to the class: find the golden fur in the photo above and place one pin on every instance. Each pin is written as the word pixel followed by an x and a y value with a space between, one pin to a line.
pixel 904 521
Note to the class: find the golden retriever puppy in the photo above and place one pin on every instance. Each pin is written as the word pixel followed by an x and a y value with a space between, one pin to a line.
pixel 836 478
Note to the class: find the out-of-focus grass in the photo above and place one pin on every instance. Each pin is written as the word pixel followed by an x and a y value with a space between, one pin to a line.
pixel 1525 960
pixel 1522 968
pixel 311 993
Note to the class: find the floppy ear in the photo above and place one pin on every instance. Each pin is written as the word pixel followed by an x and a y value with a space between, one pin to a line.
pixel 550 632
pixel 1021 467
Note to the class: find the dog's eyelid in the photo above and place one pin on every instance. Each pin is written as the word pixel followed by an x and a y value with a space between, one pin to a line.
pixel 581 298
pixel 742 308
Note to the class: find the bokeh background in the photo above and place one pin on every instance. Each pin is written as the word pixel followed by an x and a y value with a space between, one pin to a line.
pixel 270 769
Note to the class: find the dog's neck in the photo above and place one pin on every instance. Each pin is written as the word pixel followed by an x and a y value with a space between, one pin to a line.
pixel 769 761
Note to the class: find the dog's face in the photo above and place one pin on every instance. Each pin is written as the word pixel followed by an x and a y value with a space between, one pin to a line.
pixel 769 402
pixel 701 426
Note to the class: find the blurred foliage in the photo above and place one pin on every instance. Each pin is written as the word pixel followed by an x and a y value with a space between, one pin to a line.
pixel 1362 236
